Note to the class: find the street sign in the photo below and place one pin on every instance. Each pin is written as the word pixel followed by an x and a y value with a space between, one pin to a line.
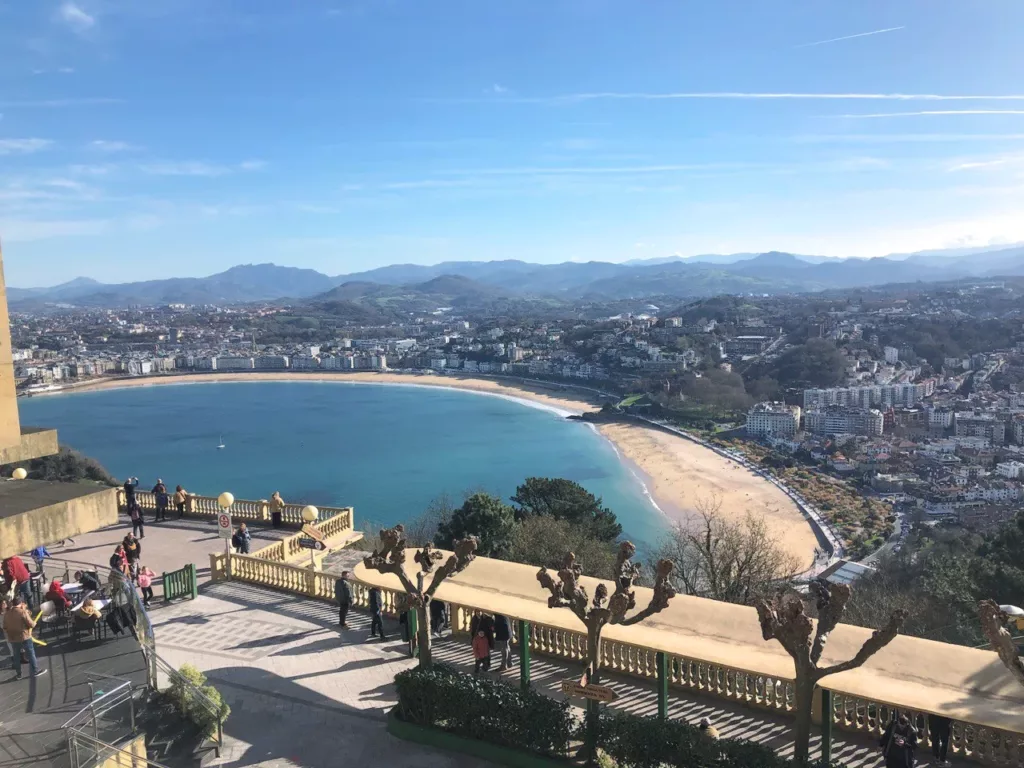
pixel 224 525
pixel 313 533
pixel 592 692
pixel 307 543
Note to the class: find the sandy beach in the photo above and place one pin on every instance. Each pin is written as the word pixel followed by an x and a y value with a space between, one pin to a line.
pixel 678 472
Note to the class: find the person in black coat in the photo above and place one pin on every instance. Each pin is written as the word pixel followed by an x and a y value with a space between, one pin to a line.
pixel 343 594
pixel 899 743
pixel 376 613
pixel 940 728
pixel 503 639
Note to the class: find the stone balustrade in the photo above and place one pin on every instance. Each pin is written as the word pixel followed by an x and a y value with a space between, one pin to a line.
pixel 755 685
pixel 245 510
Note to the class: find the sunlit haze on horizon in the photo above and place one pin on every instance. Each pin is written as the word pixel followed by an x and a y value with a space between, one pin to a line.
pixel 141 140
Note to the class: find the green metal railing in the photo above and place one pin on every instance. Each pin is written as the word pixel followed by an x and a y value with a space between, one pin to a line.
pixel 181 583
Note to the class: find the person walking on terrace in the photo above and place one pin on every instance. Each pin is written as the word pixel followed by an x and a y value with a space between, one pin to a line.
pixel 119 562
pixel 162 500
pixel 503 641
pixel 940 728
pixel 343 594
pixel 276 510
pixel 18 626
pixel 241 540
pixel 138 524
pixel 145 579
pixel 481 653
pixel 132 553
pixel 39 555
pixel 899 742
pixel 180 500
pixel 376 613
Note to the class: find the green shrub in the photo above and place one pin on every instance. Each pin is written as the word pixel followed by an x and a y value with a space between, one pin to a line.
pixel 205 711
pixel 481 708
pixel 649 742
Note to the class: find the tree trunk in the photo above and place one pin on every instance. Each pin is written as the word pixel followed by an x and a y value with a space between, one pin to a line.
pixel 423 634
pixel 804 691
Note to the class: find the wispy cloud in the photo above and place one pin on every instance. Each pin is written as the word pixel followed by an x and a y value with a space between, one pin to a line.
pixel 57 71
pixel 27 230
pixel 744 95
pixel 496 89
pixel 995 162
pixel 105 145
pixel 77 19
pixel 900 138
pixel 23 146
pixel 198 168
pixel 849 37
pixel 935 113
pixel 56 103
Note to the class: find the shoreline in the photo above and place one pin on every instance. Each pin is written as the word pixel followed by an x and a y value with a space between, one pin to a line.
pixel 674 473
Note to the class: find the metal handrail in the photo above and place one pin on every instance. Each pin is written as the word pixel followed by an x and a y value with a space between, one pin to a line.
pixel 91 707
pixel 204 701
pixel 74 734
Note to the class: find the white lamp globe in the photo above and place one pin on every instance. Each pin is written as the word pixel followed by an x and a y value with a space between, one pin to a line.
pixel 20 473
pixel 310 513
pixel 225 500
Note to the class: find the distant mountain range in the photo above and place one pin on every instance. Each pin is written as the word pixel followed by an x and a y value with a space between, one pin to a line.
pixel 474 281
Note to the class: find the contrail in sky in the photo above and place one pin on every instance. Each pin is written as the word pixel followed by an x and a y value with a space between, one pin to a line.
pixel 850 37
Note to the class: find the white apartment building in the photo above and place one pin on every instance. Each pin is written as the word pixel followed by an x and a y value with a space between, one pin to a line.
pixel 271 362
pixel 1012 470
pixel 892 355
pixel 845 421
pixel 1018 432
pixel 223 363
pixel 304 363
pixel 773 420
pixel 940 419
pixel 884 395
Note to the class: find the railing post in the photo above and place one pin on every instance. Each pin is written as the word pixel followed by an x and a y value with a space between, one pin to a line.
pixel 166 577
pixel 194 579
pixel 826 727
pixel 662 662
pixel 524 655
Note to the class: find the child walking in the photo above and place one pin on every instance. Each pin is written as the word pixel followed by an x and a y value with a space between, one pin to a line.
pixel 481 652
pixel 146 577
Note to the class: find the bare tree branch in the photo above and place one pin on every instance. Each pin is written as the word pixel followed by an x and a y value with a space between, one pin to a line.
pixel 878 640
pixel 831 602
pixel 993 624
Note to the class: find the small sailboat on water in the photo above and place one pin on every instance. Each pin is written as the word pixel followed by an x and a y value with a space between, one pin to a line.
pixel 221 446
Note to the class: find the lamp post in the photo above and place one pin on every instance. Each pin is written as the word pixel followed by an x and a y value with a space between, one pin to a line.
pixel 309 516
pixel 19 474
pixel 224 501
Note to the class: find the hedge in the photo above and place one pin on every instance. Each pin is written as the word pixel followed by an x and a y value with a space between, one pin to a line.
pixel 485 709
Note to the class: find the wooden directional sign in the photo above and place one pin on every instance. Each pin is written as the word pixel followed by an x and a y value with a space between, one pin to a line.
pixel 313 533
pixel 307 543
pixel 592 692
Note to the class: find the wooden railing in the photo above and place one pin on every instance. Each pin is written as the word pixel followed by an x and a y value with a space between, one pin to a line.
pixel 747 687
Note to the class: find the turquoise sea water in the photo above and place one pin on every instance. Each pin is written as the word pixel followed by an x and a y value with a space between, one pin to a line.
pixel 385 450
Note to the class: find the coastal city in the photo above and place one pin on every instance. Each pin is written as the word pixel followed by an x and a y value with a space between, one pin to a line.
pixel 909 428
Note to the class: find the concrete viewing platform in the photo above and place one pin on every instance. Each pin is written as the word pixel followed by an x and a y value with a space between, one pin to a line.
pixel 34 512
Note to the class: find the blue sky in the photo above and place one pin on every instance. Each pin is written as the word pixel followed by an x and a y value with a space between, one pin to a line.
pixel 180 137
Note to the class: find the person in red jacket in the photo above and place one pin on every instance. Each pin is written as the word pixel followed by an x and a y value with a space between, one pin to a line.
pixel 16 573
pixel 57 596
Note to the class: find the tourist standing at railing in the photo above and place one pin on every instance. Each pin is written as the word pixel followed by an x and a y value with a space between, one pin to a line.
pixel 17 579
pixel 899 743
pixel 503 641
pixel 343 594
pixel 276 510
pixel 162 500
pixel 129 491
pixel 376 613
pixel 18 626
pixel 436 616
pixel 940 728
pixel 180 500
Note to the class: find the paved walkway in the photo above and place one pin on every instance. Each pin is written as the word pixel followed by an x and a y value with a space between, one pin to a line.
pixel 267 649
pixel 300 692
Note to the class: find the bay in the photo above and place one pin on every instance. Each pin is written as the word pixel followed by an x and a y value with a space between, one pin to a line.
pixel 384 450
